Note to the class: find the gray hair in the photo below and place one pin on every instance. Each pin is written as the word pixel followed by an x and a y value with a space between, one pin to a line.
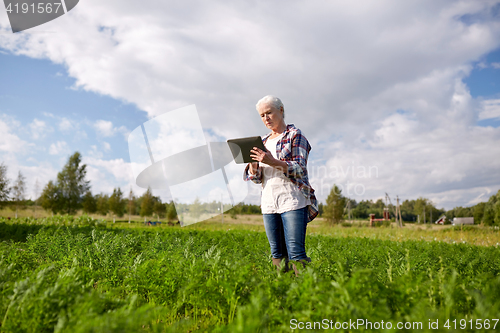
pixel 274 101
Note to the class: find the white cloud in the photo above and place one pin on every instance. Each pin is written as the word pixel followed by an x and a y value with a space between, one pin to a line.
pixel 342 69
pixel 43 171
pixel 416 154
pixel 105 175
pixel 59 148
pixel 65 125
pixel 81 135
pixel 333 50
pixel 495 65
pixel 106 146
pixel 9 141
pixel 104 128
pixel 117 167
pixel 94 152
pixel 482 65
pixel 39 129
pixel 491 109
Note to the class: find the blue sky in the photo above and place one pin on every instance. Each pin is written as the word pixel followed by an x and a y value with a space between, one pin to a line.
pixel 412 91
pixel 39 89
pixel 484 82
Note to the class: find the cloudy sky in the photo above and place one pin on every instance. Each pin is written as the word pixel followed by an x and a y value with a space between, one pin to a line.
pixel 394 96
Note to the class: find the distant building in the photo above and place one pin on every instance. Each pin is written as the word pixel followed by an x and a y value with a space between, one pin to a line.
pixel 441 220
pixel 463 220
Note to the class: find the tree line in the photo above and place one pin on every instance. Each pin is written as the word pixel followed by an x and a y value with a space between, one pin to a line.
pixel 420 210
pixel 70 192
pixel 337 208
pixel 487 213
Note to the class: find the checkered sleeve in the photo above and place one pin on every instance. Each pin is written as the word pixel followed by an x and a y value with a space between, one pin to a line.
pixel 297 166
pixel 256 178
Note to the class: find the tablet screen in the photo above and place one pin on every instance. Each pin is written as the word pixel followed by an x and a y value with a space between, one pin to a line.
pixel 240 148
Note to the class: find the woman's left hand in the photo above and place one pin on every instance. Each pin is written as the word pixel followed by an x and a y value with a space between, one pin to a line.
pixel 262 156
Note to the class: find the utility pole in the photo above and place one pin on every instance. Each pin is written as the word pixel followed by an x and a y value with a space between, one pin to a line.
pixel 398 222
pixel 431 213
pixel 349 210
pixel 37 188
pixel 130 203
pixel 348 207
pixel 424 212
pixel 399 212
pixel 396 213
pixel 400 217
pixel 221 209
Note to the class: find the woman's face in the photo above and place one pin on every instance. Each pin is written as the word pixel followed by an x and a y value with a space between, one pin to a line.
pixel 271 117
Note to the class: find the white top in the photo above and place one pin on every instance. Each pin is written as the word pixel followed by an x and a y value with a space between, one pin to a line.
pixel 279 194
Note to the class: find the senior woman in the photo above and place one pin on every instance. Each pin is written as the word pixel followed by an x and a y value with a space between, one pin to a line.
pixel 287 202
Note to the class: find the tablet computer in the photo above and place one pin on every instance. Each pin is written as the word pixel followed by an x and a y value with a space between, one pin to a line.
pixel 240 148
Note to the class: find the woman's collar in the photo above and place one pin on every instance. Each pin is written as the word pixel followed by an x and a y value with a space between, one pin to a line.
pixel 288 128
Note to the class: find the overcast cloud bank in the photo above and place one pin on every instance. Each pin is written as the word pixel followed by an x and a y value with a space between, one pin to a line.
pixel 371 83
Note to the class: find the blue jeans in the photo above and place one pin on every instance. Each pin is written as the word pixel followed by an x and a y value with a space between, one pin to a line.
pixel 286 233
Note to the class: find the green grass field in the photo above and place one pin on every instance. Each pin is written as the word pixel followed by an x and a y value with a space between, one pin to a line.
pixel 81 275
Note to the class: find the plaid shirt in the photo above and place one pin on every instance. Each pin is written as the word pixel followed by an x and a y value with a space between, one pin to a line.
pixel 293 148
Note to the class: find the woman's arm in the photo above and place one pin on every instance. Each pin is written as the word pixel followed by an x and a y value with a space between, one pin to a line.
pixel 295 163
pixel 296 160
pixel 253 173
pixel 267 158
pixel 253 167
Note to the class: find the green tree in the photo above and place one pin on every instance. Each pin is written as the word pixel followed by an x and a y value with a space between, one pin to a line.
pixel 361 209
pixel 196 208
pixel 496 208
pixel 321 209
pixel 50 198
pixel 171 212
pixel 159 208
pixel 408 210
pixel 491 214
pixel 377 208
pixel 233 212
pixel 148 203
pixel 18 190
pixel 89 203
pixel 335 203
pixel 4 185
pixel 421 208
pixel 130 204
pixel 36 201
pixel 102 204
pixel 72 184
pixel 479 212
pixel 116 202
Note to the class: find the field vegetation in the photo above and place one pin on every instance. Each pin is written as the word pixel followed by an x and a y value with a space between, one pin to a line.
pixel 68 274
pixel 88 263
